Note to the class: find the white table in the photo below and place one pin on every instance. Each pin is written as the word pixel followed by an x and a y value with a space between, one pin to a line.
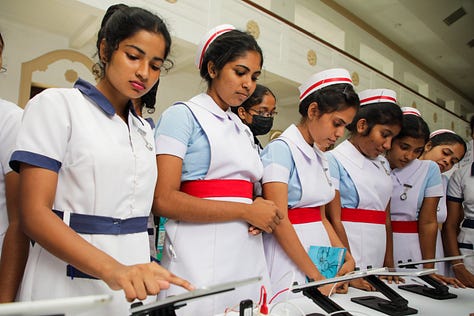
pixel 463 305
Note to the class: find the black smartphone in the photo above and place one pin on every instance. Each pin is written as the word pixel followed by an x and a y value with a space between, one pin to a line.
pixel 246 308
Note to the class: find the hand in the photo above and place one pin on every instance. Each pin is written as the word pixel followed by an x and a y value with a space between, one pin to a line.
pixel 463 275
pixel 254 231
pixel 326 289
pixel 391 279
pixel 362 285
pixel 347 267
pixel 447 280
pixel 140 280
pixel 264 214
pixel 342 288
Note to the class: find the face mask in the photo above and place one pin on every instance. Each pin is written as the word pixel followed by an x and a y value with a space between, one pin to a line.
pixel 260 124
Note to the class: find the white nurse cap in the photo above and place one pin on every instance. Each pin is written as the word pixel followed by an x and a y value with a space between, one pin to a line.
pixel 210 36
pixel 441 131
pixel 323 79
pixel 409 110
pixel 377 96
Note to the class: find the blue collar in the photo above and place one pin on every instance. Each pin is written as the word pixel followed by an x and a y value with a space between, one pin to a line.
pixel 98 98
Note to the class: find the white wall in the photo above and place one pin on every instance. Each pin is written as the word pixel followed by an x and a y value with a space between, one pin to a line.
pixel 23 44
pixel 285 50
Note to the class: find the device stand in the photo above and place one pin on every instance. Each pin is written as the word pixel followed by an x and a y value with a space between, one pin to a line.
pixel 438 291
pixel 396 305
pixel 323 301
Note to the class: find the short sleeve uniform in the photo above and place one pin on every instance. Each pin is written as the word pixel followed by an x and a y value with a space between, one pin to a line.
pixel 10 119
pixel 418 180
pixel 213 145
pixel 461 190
pixel 365 188
pixel 105 167
pixel 289 159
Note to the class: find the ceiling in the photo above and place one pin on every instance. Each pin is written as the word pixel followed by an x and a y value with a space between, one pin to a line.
pixel 418 29
pixel 415 27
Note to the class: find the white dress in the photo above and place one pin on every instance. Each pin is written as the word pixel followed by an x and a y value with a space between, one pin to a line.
pixel 213 253
pixel 365 225
pixel 441 215
pixel 461 189
pixel 105 168
pixel 312 169
pixel 10 118
pixel 408 184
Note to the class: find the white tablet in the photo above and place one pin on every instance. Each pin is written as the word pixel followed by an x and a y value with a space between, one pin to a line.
pixel 403 272
pixel 204 291
pixel 55 306
pixel 344 278
pixel 414 263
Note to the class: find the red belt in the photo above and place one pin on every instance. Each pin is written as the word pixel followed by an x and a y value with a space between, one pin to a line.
pixel 405 227
pixel 218 188
pixel 302 215
pixel 362 216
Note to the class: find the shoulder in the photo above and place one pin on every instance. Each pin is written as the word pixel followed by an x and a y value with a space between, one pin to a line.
pixel 9 110
pixel 277 146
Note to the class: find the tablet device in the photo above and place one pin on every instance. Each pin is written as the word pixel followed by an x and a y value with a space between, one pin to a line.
pixel 347 277
pixel 414 263
pixel 191 295
pixel 402 272
pixel 55 306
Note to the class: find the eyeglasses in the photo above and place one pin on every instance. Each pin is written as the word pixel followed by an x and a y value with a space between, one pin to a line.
pixel 263 113
pixel 3 69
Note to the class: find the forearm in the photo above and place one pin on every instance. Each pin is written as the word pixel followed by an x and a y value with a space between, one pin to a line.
pixel 427 239
pixel 184 207
pixel 12 262
pixel 388 259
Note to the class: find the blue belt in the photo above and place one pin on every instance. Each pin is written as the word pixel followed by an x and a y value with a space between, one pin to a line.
pixel 469 223
pixel 93 224
pixel 103 225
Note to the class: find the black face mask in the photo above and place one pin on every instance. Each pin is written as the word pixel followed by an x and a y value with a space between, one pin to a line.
pixel 260 124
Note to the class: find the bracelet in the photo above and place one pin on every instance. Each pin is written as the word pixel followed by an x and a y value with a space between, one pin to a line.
pixel 457 264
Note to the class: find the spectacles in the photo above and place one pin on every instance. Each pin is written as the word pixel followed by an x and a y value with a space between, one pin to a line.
pixel 263 113
pixel 3 69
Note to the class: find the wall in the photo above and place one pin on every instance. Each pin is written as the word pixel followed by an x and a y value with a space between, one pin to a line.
pixel 285 51
pixel 23 44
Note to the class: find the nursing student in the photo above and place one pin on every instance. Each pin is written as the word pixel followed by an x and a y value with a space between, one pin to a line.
pixel 297 179
pixel 417 188
pixel 360 211
pixel 458 230
pixel 13 242
pixel 258 111
pixel 87 172
pixel 446 149
pixel 207 165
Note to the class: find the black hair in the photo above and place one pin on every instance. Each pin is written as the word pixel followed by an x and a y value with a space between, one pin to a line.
pixel 332 98
pixel 447 138
pixel 415 127
pixel 472 124
pixel 226 48
pixel 2 42
pixel 121 22
pixel 255 99
pixel 149 99
pixel 383 113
